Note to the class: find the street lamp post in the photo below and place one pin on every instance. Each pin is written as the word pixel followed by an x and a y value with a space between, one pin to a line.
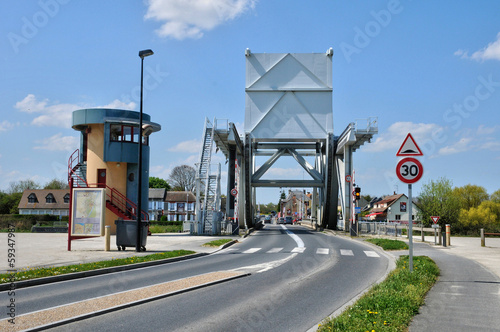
pixel 142 55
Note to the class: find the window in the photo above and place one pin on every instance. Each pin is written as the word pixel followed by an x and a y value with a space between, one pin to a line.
pixel 398 217
pixel 32 198
pixel 122 133
pixel 171 206
pixel 66 198
pixel 50 199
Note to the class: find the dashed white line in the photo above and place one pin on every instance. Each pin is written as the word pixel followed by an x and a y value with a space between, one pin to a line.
pixel 251 250
pixel 322 251
pixel 298 250
pixel 346 252
pixel 370 253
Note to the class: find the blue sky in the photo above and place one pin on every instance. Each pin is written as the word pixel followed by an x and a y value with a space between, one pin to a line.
pixel 426 67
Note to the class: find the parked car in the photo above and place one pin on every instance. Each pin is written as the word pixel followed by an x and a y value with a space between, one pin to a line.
pixel 281 220
pixel 267 220
pixel 288 220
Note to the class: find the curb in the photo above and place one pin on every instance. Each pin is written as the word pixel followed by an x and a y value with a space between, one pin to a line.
pixel 91 273
pixel 132 304
pixel 84 274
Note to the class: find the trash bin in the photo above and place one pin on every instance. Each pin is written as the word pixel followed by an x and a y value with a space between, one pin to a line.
pixel 126 234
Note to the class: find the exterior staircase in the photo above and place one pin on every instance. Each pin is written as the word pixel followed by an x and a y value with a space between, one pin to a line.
pixel 116 202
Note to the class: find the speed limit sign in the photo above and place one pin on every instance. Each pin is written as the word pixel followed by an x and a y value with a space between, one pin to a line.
pixel 409 170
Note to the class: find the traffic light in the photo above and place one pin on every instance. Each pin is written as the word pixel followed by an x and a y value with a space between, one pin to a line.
pixel 357 193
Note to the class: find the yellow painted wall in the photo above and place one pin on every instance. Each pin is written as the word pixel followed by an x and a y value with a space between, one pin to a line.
pixel 116 173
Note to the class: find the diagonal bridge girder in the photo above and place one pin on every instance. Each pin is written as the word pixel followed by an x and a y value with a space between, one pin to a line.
pixel 317 177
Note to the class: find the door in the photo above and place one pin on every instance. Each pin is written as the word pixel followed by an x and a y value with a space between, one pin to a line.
pixel 101 178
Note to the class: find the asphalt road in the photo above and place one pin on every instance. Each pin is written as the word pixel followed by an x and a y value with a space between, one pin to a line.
pixel 298 277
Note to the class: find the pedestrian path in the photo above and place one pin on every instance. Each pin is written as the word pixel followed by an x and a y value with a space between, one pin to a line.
pixel 318 251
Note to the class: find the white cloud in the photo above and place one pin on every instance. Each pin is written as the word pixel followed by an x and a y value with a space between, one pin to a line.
pixel 462 145
pixel 58 142
pixel 189 19
pixel 396 133
pixel 483 130
pixel 6 125
pixel 58 115
pixel 120 105
pixel 192 146
pixel 490 52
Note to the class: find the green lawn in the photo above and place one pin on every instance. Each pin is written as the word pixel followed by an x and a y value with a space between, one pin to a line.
pixel 217 243
pixel 390 305
pixel 388 244
pixel 33 273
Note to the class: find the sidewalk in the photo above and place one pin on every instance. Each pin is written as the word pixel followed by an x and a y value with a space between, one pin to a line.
pixel 49 249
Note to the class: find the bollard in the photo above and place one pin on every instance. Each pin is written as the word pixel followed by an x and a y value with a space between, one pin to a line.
pixel 444 239
pixel 483 240
pixel 107 235
pixel 448 235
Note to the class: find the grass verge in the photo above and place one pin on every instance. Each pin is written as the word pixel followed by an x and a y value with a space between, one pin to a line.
pixel 217 243
pixel 390 305
pixel 388 244
pixel 41 272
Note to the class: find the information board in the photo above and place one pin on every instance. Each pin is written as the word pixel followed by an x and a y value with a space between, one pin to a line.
pixel 88 206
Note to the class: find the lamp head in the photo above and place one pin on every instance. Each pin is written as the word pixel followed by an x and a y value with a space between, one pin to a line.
pixel 145 53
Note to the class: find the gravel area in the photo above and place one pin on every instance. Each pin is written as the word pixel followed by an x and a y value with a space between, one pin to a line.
pixel 95 305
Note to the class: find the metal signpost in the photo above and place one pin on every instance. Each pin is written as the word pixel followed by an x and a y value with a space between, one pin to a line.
pixel 435 219
pixel 409 170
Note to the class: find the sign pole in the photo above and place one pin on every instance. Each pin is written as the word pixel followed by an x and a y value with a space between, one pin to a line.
pixel 410 227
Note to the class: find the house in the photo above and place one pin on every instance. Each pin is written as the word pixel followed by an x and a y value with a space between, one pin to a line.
pixel 392 208
pixel 45 201
pixel 176 205
pixel 296 204
pixel 156 203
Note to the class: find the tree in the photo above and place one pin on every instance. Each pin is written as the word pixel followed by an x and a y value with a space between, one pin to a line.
pixel 183 178
pixel 470 196
pixel 21 185
pixel 155 182
pixel 437 199
pixel 56 184
pixel 9 203
pixel 486 215
pixel 495 197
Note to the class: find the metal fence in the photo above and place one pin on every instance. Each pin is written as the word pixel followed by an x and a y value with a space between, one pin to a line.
pixel 377 227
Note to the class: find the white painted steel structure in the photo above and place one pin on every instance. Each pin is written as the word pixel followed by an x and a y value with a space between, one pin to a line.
pixel 288 112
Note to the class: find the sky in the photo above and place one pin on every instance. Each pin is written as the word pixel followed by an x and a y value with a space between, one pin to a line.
pixel 429 68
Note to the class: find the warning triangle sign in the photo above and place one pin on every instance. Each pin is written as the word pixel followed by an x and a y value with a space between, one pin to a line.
pixel 409 148
pixel 435 219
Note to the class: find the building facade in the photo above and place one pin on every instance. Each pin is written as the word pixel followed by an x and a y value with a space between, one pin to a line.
pixel 175 205
pixel 392 208
pixel 45 201
pixel 108 158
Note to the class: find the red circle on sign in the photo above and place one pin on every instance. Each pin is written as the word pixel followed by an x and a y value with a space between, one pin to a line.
pixel 409 170
pixel 234 192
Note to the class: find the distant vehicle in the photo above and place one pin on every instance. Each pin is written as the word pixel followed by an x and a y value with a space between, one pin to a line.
pixel 267 220
pixel 281 220
pixel 288 220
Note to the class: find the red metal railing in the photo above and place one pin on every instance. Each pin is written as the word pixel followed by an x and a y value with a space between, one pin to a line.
pixel 113 196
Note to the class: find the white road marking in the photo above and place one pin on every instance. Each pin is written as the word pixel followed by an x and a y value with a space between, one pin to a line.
pixel 322 251
pixel 298 250
pixel 251 250
pixel 265 266
pixel 297 239
pixel 370 253
pixel 345 252
pixel 274 250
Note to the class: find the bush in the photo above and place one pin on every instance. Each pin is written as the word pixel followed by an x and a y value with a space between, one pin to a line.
pixel 166 223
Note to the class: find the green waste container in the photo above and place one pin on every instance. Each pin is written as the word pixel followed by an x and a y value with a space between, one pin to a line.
pixel 126 234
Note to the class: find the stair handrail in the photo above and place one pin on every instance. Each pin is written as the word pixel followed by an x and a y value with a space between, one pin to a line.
pixel 74 161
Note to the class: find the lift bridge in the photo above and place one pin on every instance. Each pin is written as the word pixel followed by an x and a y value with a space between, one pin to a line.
pixel 288 112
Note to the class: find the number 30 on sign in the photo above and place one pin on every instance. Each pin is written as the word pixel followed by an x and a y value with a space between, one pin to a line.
pixel 409 170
